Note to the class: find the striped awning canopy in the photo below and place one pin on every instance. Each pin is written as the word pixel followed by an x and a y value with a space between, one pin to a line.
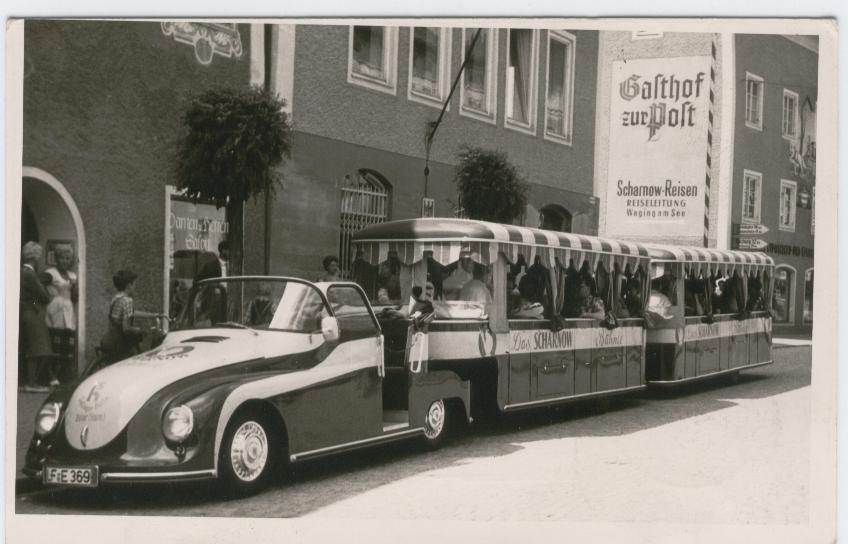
pixel 706 260
pixel 449 238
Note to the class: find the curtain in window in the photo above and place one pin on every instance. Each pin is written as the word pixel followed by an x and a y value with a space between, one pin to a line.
pixel 557 91
pixel 368 51
pixel 425 61
pixel 520 62
pixel 754 101
pixel 474 77
pixel 750 200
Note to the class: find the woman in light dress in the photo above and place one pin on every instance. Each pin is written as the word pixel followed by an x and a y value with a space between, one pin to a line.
pixel 61 317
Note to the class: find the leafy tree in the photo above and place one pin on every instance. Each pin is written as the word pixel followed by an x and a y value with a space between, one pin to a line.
pixel 489 186
pixel 233 143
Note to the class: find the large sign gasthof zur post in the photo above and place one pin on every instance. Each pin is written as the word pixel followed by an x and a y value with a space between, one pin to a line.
pixel 659 115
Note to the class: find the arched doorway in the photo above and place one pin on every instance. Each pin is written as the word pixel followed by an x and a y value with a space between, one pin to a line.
pixel 807 314
pixel 555 217
pixel 365 201
pixel 783 302
pixel 50 217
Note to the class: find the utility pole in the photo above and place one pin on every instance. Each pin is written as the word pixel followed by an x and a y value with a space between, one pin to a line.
pixel 433 126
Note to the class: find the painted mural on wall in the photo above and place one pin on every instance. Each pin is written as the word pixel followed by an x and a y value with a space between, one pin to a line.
pixel 658 142
pixel 208 39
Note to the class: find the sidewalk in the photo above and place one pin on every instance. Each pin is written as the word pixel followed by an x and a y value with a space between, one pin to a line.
pixel 787 342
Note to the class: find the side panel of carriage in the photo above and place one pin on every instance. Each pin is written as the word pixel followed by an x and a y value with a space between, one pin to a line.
pixel 537 365
pixel 699 346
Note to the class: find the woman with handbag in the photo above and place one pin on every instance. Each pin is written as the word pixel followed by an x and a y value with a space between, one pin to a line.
pixel 123 337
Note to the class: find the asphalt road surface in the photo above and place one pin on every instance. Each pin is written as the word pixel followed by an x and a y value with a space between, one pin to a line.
pixel 717 452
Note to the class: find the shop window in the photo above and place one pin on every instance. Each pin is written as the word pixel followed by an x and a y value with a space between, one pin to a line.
pixel 365 198
pixel 559 98
pixel 372 58
pixel 754 87
pixel 752 185
pixel 789 122
pixel 553 217
pixel 521 79
pixel 788 201
pixel 478 89
pixel 429 65
pixel 808 296
pixel 784 281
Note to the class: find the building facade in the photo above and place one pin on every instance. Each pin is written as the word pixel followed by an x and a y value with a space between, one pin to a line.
pixel 102 106
pixel 774 162
pixel 361 99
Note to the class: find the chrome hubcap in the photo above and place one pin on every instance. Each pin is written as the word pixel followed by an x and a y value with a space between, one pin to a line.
pixel 249 451
pixel 435 422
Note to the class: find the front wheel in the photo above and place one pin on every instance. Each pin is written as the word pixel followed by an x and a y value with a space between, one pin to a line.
pixel 249 453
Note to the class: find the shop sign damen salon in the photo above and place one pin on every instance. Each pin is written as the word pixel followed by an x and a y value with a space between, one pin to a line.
pixel 659 112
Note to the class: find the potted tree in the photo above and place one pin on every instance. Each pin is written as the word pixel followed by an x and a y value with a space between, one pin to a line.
pixel 489 187
pixel 233 143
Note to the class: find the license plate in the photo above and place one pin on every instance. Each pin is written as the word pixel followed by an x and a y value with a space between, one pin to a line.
pixel 73 476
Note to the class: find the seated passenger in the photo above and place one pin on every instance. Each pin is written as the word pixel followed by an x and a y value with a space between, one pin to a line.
pixel 461 274
pixel 659 305
pixel 388 276
pixel 633 297
pixel 724 298
pixel 525 308
pixel 693 289
pixel 537 274
pixel 383 297
pixel 755 294
pixel 363 272
pixel 476 289
pixel 590 305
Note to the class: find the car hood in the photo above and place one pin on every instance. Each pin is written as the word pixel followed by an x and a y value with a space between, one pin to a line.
pixel 102 404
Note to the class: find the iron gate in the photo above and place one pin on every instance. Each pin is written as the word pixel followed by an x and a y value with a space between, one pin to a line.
pixel 364 202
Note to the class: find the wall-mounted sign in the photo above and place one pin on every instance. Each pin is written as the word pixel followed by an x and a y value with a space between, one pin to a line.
pixel 790 250
pixel 659 112
pixel 428 207
pixel 746 229
pixel 751 244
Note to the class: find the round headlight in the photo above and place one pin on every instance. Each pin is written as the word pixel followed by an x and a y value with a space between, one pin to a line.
pixel 178 423
pixel 47 418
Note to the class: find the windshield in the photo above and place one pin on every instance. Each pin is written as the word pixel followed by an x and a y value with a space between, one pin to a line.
pixel 256 303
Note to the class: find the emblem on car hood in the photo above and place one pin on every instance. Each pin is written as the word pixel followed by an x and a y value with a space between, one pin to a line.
pixel 93 399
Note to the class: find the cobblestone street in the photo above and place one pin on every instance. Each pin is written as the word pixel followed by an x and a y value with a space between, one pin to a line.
pixel 713 453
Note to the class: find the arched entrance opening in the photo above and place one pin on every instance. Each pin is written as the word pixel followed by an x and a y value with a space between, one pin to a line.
pixel 555 217
pixel 783 302
pixel 50 217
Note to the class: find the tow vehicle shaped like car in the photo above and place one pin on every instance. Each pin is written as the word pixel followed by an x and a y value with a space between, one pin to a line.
pixel 261 371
